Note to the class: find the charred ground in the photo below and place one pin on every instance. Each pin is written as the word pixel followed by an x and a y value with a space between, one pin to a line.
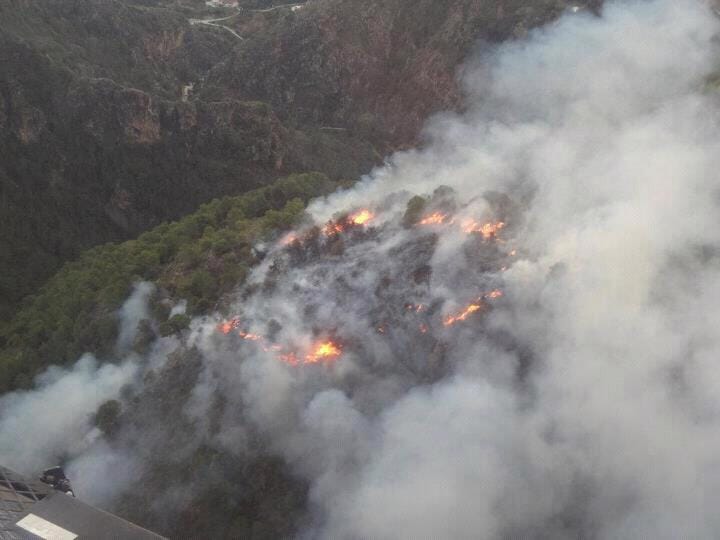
pixel 398 337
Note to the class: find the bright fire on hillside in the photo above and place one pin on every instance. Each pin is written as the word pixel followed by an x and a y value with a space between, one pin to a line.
pixel 362 217
pixel 228 326
pixel 477 305
pixel 322 351
pixel 436 218
pixel 492 295
pixel 325 351
pixel 487 230
pixel 463 315
pixel 332 229
pixel 359 218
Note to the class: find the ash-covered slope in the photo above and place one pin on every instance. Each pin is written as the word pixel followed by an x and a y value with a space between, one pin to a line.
pixel 509 334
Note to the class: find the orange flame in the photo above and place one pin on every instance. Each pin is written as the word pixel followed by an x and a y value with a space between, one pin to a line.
pixel 361 218
pixel 289 239
pixel 436 218
pixel 332 229
pixel 463 315
pixel 487 230
pixel 323 351
pixel 228 326
pixel 492 295
pixel 472 308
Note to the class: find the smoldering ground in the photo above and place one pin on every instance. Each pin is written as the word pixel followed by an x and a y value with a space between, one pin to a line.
pixel 583 402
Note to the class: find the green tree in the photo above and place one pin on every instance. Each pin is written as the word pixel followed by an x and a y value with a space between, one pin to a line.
pixel 107 416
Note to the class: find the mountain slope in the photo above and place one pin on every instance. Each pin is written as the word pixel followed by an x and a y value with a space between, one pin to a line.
pixel 325 86
pixel 116 116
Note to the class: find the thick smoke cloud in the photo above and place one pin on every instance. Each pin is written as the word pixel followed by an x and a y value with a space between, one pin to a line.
pixel 53 423
pixel 134 310
pixel 603 133
pixel 581 403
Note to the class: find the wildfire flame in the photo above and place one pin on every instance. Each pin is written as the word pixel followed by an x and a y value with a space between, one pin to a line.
pixel 463 315
pixel 228 326
pixel 361 217
pixel 487 230
pixel 332 229
pixel 436 218
pixel 323 352
pixel 472 308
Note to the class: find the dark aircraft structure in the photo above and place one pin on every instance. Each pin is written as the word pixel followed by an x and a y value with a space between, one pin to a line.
pixel 47 509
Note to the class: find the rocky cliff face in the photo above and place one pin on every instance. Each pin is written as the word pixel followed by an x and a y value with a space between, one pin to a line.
pixel 115 116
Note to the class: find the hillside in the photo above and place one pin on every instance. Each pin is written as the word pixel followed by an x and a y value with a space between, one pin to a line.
pixel 117 116
pixel 199 258
pixel 221 376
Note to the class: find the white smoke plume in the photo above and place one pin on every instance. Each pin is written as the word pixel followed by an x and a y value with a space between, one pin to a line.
pixel 584 402
pixel 53 422
pixel 134 310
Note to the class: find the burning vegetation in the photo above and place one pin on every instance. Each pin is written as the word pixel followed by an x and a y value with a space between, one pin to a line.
pixel 323 351
pixel 436 218
pixel 425 318
pixel 362 217
pixel 488 230
pixel 357 219
pixel 477 305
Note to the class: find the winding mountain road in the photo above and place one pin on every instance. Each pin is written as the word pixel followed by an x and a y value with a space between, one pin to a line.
pixel 214 22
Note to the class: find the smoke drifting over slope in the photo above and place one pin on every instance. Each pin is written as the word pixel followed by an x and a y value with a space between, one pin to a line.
pixel 539 358
pixel 53 423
